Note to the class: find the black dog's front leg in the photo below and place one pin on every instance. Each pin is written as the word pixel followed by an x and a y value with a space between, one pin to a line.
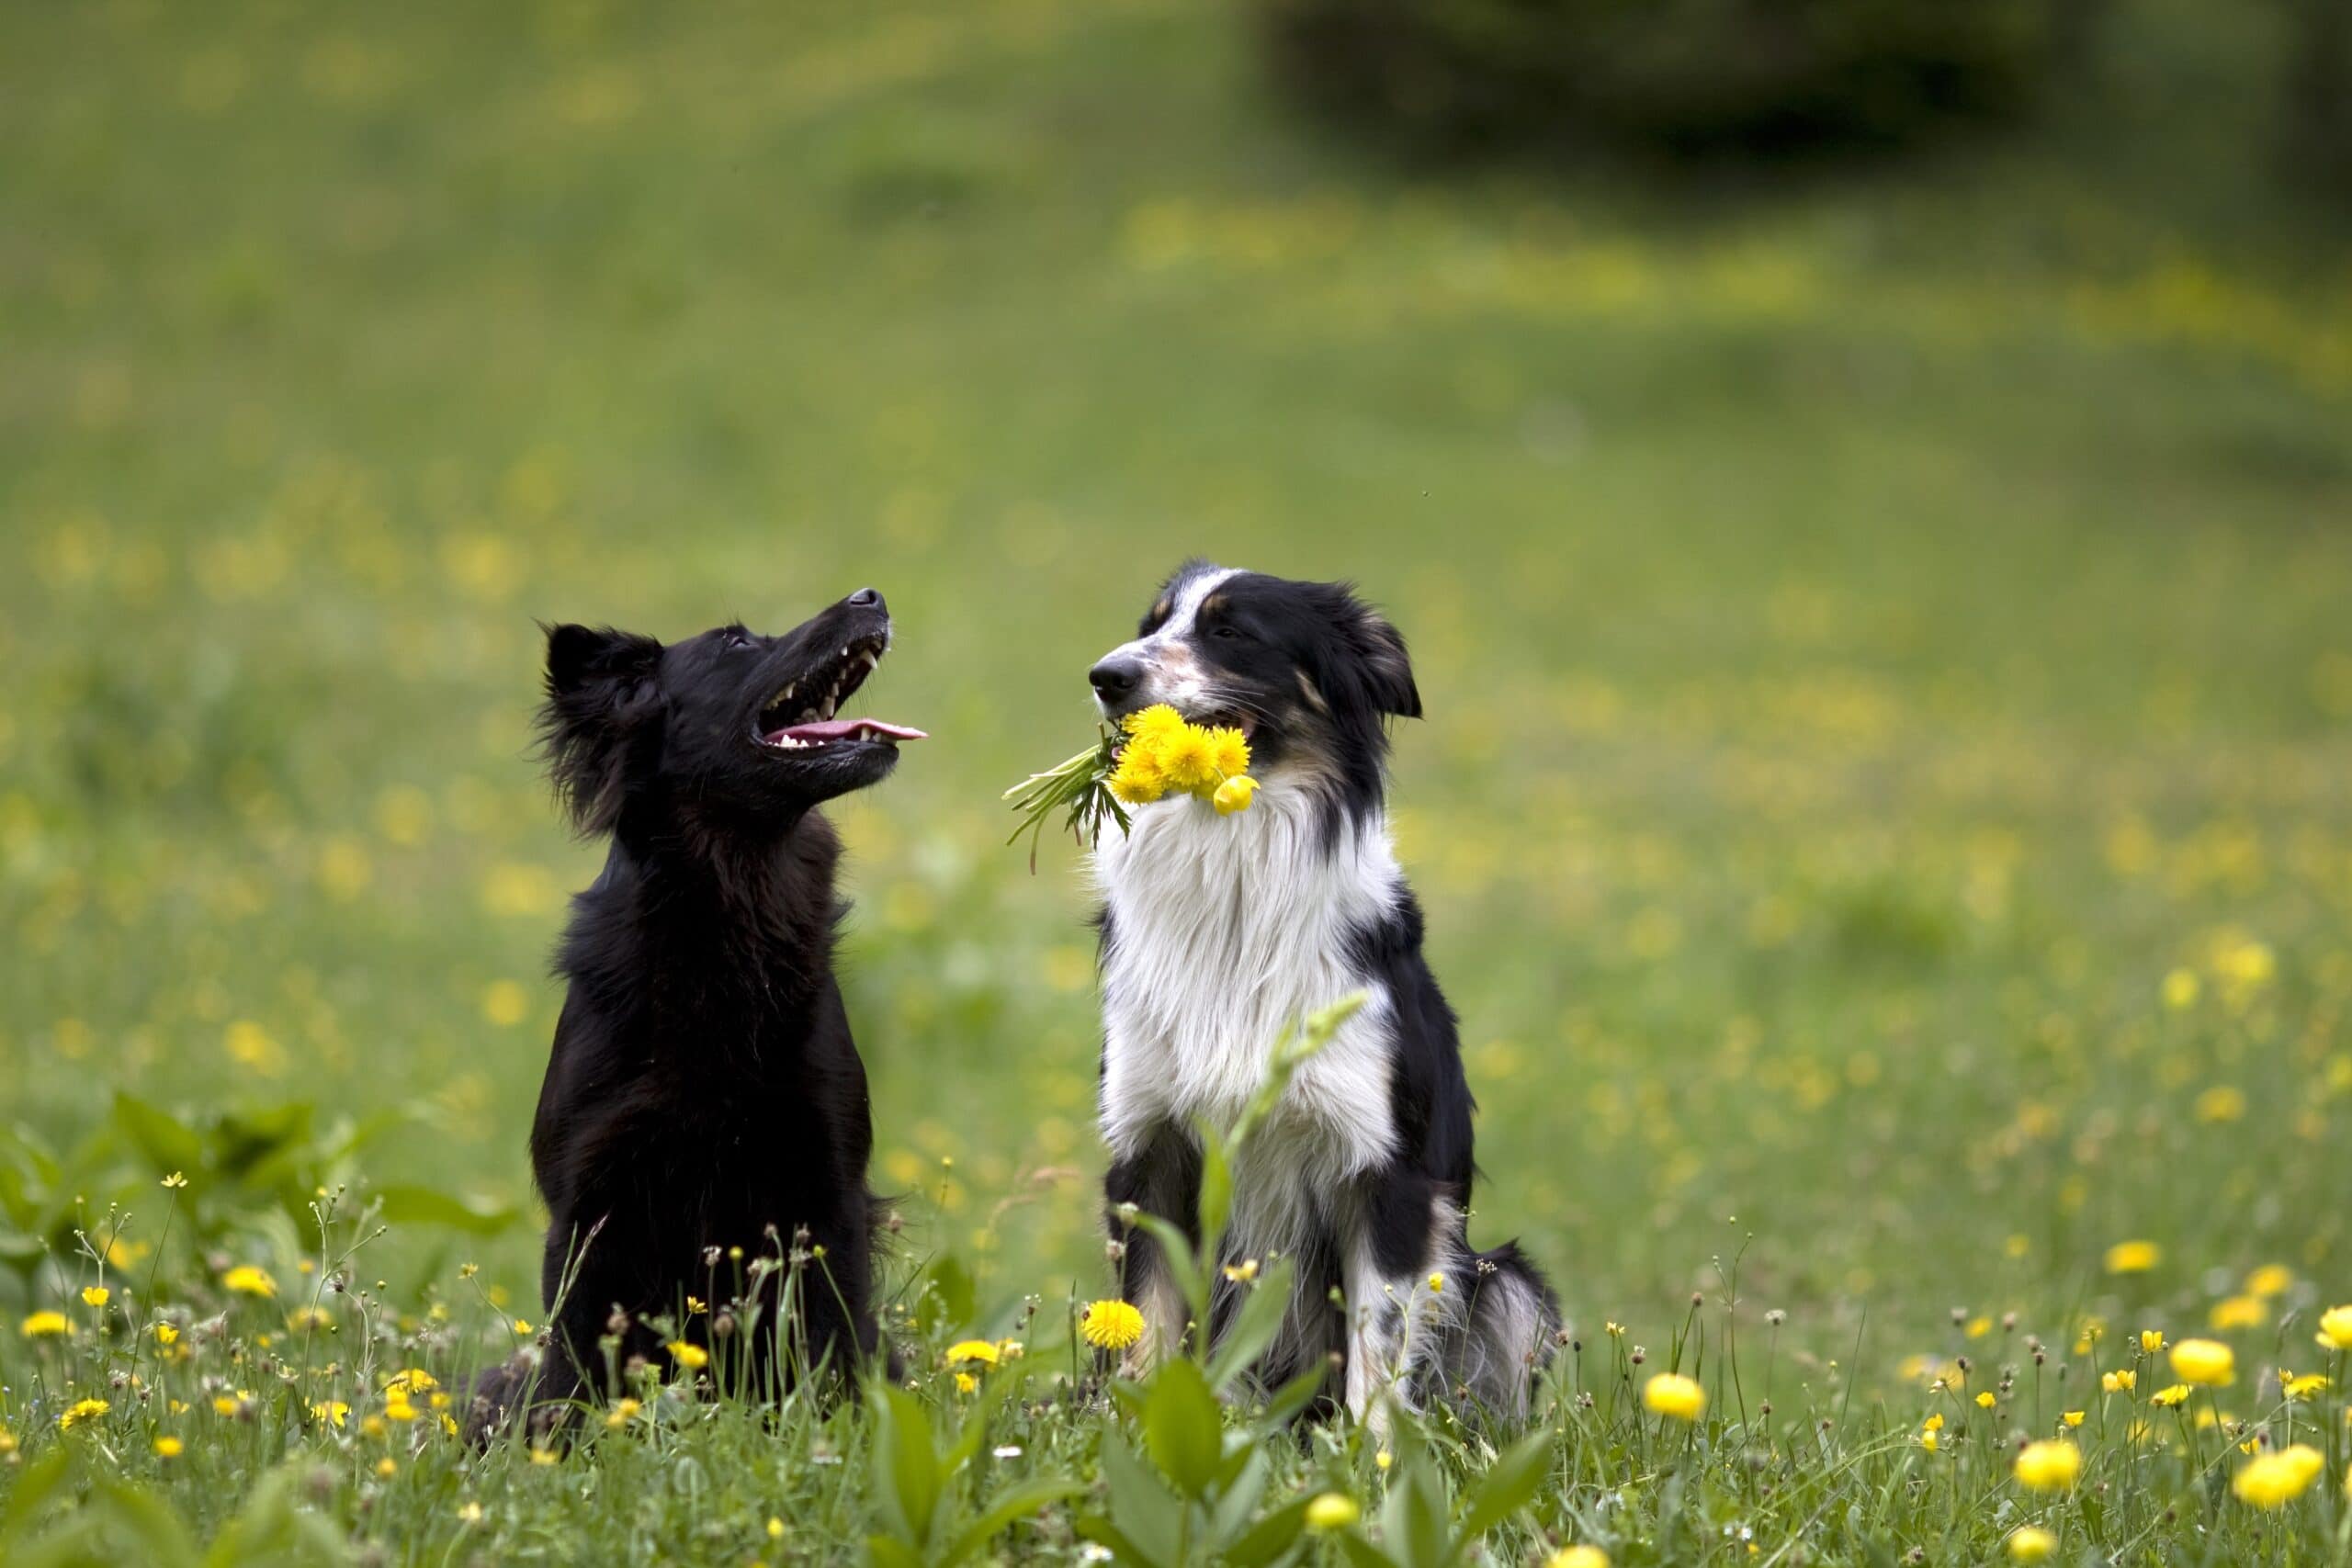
pixel 1163 1179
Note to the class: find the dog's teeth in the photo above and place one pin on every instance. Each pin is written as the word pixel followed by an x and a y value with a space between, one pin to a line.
pixel 785 696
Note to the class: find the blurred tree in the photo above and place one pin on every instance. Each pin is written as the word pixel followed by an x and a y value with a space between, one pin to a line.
pixel 2319 94
pixel 1685 75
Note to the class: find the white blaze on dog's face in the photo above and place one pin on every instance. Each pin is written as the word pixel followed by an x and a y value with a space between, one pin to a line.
pixel 1306 670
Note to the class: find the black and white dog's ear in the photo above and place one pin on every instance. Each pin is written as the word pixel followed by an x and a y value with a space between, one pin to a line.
pixel 601 696
pixel 1388 671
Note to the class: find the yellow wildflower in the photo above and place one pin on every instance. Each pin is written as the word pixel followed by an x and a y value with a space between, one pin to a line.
pixel 623 1412
pixel 1670 1394
pixel 388 1467
pixel 543 1456
pixel 2168 1397
pixel 1985 1400
pixel 1110 1325
pixel 397 1408
pixel 249 1280
pixel 1934 1423
pixel 1228 752
pixel 2123 1382
pixel 166 1334
pixel 2051 1465
pixel 1235 794
pixel 169 1448
pixel 95 1295
pixel 688 1354
pixel 2239 1311
pixel 2152 1340
pixel 1241 1273
pixel 1138 780
pixel 2335 1327
pixel 2302 1387
pixel 967 1383
pixel 2205 1362
pixel 2133 1256
pixel 1578 1557
pixel 2031 1543
pixel 2276 1480
pixel 1184 759
pixel 972 1352
pixel 81 1411
pixel 1437 1284
pixel 2270 1279
pixel 1332 1511
pixel 307 1319
pixel 332 1411
pixel 44 1325
pixel 2072 1417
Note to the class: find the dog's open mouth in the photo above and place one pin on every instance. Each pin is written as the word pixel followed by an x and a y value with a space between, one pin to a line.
pixel 801 715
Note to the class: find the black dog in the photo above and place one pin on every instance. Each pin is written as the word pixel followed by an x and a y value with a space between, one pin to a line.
pixel 703 1124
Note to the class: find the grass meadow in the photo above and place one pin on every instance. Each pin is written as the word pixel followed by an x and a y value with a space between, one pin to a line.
pixel 1884 811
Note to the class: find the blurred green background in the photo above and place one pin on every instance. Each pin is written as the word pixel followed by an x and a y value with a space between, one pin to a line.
pixel 1885 622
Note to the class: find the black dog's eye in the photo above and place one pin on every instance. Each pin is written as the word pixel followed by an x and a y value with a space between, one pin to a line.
pixel 1231 634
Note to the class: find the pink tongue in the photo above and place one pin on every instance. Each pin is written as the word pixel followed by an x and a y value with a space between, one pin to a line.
pixel 843 728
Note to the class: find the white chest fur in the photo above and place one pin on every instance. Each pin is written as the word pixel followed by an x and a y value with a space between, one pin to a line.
pixel 1226 931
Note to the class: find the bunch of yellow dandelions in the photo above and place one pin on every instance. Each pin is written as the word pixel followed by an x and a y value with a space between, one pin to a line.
pixel 1152 755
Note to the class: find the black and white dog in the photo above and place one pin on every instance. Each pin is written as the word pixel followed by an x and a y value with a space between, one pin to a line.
pixel 1221 933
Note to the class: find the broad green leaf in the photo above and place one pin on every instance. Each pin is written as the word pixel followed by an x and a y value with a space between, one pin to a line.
pixel 1252 1328
pixel 1269 1537
pixel 1121 1546
pixel 1182 1264
pixel 906 1475
pixel 1009 1507
pixel 1413 1523
pixel 1291 1398
pixel 158 1135
pixel 1509 1484
pixel 949 1285
pixel 1216 1206
pixel 1361 1553
pixel 416 1205
pixel 1182 1429
pixel 24 1500
pixel 887 1552
pixel 1241 1482
pixel 1143 1509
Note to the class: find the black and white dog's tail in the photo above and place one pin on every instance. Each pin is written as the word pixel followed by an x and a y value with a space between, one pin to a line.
pixel 1512 1325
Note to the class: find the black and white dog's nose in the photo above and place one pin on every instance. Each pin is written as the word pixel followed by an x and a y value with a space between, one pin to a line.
pixel 866 599
pixel 1115 680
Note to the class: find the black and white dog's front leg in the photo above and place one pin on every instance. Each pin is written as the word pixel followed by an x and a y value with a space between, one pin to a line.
pixel 1162 1178
pixel 1404 1307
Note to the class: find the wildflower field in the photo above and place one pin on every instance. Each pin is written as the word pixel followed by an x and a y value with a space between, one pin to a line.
pixel 1884 813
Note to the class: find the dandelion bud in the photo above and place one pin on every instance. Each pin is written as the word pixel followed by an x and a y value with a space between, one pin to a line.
pixel 723 1325
pixel 710 1255
pixel 618 1322
pixel 800 1235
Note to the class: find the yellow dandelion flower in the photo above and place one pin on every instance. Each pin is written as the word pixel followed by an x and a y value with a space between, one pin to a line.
pixel 2072 1417
pixel 44 1326
pixel 970 1352
pixel 2170 1397
pixel 2051 1465
pixel 1578 1557
pixel 1985 1400
pixel 1138 780
pixel 1154 724
pixel 1184 759
pixel 166 1334
pixel 1235 794
pixel 169 1448
pixel 543 1456
pixel 1931 1441
pixel 333 1412
pixel 1934 1423
pixel 1670 1394
pixel 1110 1325
pixel 688 1354
pixel 249 1280
pixel 95 1295
pixel 2304 1387
pixel 388 1467
pixel 967 1383
pixel 81 1411
pixel 2276 1480
pixel 2031 1543
pixel 397 1408
pixel 1228 751
pixel 2133 1256
pixel 1437 1284
pixel 2205 1362
pixel 2335 1329
pixel 623 1412
pixel 2270 1279
pixel 1332 1511
pixel 2239 1311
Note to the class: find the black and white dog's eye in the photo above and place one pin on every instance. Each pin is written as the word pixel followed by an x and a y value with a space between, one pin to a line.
pixel 1231 634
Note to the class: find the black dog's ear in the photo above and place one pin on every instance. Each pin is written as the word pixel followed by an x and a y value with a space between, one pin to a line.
pixel 600 690
pixel 1388 671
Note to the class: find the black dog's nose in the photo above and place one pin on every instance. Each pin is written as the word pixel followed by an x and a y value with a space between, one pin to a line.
pixel 866 598
pixel 1115 679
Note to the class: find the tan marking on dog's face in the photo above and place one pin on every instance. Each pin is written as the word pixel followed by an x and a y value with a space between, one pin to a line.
pixel 1307 689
